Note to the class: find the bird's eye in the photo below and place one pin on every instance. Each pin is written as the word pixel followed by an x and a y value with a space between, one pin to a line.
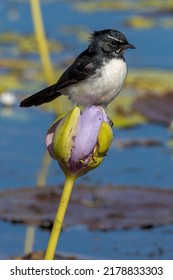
pixel 113 42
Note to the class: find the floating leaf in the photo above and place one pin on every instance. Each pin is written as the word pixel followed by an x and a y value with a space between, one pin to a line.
pixel 97 208
pixel 92 6
pixel 10 82
pixel 128 121
pixel 27 43
pixel 130 143
pixel 140 22
pixel 39 255
pixel 170 143
pixel 156 108
pixel 121 111
pixel 167 23
pixel 79 31
pixel 159 81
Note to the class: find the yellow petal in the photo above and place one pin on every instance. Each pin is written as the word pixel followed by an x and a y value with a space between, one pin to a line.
pixel 105 136
pixel 63 136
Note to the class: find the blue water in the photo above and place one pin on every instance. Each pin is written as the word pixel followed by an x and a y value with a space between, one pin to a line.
pixel 132 244
pixel 22 135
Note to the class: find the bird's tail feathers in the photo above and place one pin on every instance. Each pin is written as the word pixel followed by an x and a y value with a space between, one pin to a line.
pixel 44 96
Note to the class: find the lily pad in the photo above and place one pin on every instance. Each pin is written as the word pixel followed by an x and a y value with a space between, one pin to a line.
pixel 150 80
pixel 140 22
pixel 111 207
pixel 27 43
pixel 92 6
pixel 144 142
pixel 39 255
pixel 157 108
pixel 121 111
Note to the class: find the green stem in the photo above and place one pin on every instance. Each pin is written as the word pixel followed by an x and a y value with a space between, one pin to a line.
pixel 55 233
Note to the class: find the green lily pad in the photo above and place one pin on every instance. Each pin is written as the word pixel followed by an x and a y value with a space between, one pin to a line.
pixel 92 6
pixel 147 80
pixel 27 43
pixel 140 22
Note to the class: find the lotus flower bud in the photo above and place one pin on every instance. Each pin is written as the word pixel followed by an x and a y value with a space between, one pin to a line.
pixel 79 139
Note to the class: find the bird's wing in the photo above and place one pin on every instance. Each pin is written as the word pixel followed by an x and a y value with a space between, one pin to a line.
pixel 81 69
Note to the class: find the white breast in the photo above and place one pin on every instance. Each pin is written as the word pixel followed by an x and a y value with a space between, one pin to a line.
pixel 102 87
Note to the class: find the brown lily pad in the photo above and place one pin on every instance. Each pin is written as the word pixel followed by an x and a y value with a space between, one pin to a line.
pixel 143 142
pixel 97 208
pixel 157 108
pixel 39 255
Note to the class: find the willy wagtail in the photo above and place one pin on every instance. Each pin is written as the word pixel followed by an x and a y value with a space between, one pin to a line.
pixel 95 77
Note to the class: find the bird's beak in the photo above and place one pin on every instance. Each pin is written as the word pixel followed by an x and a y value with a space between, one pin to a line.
pixel 129 46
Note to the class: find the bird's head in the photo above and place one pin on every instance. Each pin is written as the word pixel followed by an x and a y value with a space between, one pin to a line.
pixel 111 42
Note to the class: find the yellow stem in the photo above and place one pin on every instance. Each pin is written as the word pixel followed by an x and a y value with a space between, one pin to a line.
pixel 55 233
pixel 29 239
pixel 42 42
pixel 42 175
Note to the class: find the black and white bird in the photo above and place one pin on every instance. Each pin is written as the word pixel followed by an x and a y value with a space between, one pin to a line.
pixel 96 76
